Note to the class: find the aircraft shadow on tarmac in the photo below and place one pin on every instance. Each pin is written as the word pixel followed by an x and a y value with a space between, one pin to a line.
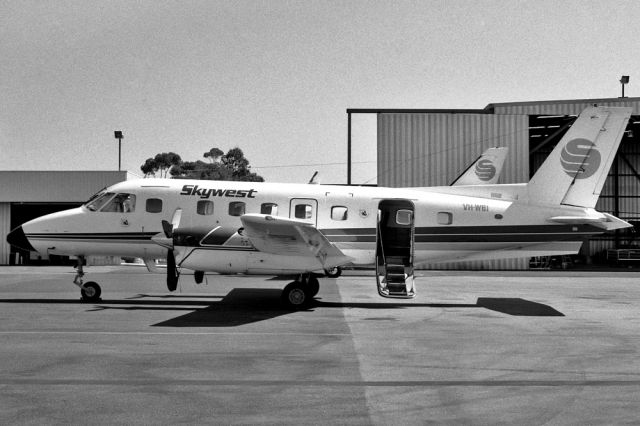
pixel 248 305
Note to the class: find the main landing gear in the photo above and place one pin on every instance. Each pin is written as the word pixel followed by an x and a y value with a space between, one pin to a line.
pixel 299 294
pixel 334 272
pixel 89 291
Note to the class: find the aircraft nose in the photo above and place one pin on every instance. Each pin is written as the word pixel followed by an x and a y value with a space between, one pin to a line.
pixel 17 239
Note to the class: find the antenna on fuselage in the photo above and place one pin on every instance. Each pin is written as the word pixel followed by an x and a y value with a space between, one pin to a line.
pixel 313 180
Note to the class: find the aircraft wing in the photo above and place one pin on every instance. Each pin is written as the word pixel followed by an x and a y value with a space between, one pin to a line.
pixel 290 237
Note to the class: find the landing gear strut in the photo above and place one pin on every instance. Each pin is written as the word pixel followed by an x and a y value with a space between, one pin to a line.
pixel 299 294
pixel 89 291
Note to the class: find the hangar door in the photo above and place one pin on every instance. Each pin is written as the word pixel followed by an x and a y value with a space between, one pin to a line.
pixel 24 212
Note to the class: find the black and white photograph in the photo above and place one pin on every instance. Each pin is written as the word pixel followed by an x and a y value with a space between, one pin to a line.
pixel 312 212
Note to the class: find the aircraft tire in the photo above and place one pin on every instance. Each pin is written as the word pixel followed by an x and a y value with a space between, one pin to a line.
pixel 90 292
pixel 333 272
pixel 313 286
pixel 296 295
pixel 198 276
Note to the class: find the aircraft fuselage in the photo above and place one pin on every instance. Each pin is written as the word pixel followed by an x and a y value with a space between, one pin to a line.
pixel 445 226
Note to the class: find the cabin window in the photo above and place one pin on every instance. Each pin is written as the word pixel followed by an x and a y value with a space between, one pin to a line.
pixel 236 208
pixel 154 205
pixel 404 217
pixel 303 211
pixel 121 203
pixel 445 218
pixel 269 208
pixel 339 213
pixel 96 203
pixel 204 207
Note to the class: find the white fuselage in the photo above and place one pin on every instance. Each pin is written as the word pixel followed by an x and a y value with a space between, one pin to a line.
pixel 448 225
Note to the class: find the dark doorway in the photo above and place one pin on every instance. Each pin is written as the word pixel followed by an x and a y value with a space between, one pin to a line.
pixel 24 212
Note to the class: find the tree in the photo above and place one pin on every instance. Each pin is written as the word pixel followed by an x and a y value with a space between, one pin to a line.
pixel 149 167
pixel 230 166
pixel 213 154
pixel 162 163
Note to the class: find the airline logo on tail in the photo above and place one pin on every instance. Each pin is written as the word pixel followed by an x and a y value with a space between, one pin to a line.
pixel 485 170
pixel 580 158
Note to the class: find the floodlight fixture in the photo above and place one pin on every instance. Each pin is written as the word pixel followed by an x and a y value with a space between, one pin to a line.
pixel 624 80
pixel 118 135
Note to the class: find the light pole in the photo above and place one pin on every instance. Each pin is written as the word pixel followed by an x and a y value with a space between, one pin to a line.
pixel 624 80
pixel 118 135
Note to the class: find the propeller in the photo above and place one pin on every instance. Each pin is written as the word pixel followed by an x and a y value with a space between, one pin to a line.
pixel 172 270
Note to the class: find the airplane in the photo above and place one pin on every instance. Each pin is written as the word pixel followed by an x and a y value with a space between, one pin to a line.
pixel 485 170
pixel 302 229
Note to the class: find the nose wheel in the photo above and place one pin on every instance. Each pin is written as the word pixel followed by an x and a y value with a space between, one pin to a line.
pixel 89 291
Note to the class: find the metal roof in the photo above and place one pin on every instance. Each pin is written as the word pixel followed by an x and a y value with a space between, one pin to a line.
pixel 552 107
pixel 560 107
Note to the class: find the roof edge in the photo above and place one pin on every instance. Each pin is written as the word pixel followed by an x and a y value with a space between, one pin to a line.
pixel 415 111
pixel 560 101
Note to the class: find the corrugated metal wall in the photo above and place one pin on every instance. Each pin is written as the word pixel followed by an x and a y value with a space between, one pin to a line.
pixel 5 224
pixel 433 149
pixel 430 149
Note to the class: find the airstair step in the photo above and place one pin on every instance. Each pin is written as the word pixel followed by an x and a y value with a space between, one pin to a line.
pixel 395 268
pixel 395 260
pixel 395 278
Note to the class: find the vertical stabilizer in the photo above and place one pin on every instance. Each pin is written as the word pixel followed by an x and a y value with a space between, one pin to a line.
pixel 576 169
pixel 485 170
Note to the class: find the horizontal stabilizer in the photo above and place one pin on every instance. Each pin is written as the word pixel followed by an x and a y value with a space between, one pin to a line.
pixel 601 220
pixel 290 237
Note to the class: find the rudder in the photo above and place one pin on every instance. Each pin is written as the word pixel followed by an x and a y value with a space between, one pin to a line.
pixel 575 171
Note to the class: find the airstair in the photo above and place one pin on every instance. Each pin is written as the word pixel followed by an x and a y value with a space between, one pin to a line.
pixel 394 254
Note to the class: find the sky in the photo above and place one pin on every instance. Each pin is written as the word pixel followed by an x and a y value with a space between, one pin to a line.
pixel 276 77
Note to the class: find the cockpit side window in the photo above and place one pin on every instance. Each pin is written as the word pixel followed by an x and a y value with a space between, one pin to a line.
pixel 121 203
pixel 97 201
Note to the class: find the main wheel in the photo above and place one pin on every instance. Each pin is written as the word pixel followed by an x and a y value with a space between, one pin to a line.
pixel 90 292
pixel 198 276
pixel 334 272
pixel 313 286
pixel 296 295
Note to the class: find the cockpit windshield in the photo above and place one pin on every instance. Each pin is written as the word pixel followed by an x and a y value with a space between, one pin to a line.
pixel 121 203
pixel 112 202
pixel 96 202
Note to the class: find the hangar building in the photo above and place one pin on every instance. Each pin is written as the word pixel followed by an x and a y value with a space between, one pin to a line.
pixel 432 147
pixel 26 195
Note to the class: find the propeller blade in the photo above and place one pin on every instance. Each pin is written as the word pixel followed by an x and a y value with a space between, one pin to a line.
pixel 167 228
pixel 175 220
pixel 172 271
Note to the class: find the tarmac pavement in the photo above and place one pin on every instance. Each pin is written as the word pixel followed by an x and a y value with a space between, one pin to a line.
pixel 514 347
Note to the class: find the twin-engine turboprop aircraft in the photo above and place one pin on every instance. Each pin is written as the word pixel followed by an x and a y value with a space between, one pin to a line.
pixel 280 229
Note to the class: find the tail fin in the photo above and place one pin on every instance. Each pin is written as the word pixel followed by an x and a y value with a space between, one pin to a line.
pixel 485 170
pixel 576 169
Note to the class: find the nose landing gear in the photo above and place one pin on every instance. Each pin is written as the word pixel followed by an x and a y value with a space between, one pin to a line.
pixel 89 291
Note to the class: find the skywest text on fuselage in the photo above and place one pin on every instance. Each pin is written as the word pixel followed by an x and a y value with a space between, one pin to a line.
pixel 194 190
